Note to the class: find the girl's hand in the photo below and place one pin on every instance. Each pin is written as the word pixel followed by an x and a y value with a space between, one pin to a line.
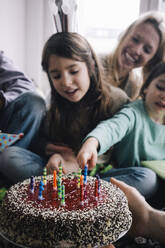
pixel 54 162
pixel 52 148
pixel 88 153
pixel 68 161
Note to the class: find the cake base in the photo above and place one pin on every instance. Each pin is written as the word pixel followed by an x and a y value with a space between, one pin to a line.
pixel 95 222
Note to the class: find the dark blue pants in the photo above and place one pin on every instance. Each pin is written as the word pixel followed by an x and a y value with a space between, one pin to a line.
pixel 143 179
pixel 23 115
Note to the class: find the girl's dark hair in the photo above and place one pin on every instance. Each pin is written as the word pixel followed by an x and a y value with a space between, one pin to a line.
pixel 156 72
pixel 68 45
pixel 74 46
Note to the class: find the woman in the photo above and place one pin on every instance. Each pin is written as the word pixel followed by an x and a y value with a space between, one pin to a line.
pixel 140 46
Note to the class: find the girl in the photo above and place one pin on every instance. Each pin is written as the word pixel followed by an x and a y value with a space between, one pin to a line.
pixel 141 45
pixel 79 100
pixel 138 131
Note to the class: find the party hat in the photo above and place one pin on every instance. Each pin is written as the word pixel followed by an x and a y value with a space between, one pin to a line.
pixel 7 139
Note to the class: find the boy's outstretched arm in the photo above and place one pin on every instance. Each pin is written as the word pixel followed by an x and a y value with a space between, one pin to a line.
pixel 88 153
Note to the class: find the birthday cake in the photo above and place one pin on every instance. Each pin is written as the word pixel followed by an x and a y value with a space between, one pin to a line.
pixel 88 216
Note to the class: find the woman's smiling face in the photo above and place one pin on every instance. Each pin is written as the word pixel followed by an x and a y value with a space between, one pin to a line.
pixel 138 47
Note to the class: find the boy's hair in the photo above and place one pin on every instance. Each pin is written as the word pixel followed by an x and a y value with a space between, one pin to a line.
pixel 156 19
pixel 156 72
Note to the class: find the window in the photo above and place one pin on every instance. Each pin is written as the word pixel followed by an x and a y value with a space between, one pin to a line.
pixel 102 21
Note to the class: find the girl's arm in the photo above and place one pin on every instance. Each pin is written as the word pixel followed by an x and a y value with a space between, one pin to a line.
pixel 88 153
pixel 113 130
pixel 104 136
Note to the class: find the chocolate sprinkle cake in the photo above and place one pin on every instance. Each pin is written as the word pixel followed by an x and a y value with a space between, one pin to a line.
pixel 91 222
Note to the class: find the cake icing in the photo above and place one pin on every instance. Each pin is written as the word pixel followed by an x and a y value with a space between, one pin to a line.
pixel 93 222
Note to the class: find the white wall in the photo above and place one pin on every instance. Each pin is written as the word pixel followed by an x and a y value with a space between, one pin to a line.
pixel 12 30
pixel 38 29
pixel 25 25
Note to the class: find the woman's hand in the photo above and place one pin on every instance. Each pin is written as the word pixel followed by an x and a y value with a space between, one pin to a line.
pixel 88 153
pixel 139 207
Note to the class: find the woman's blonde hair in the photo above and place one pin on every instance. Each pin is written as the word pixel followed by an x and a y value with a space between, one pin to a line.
pixel 157 20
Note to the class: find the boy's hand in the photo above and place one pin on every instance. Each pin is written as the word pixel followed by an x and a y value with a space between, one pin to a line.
pixel 88 153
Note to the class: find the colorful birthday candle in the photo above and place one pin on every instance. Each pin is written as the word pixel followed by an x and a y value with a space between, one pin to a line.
pixel 75 175
pixel 60 170
pixel 54 180
pixel 85 174
pixel 63 195
pixel 44 176
pixel 81 190
pixel 79 176
pixel 32 184
pixel 41 188
pixel 98 178
pixel 96 189
pixel 59 187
